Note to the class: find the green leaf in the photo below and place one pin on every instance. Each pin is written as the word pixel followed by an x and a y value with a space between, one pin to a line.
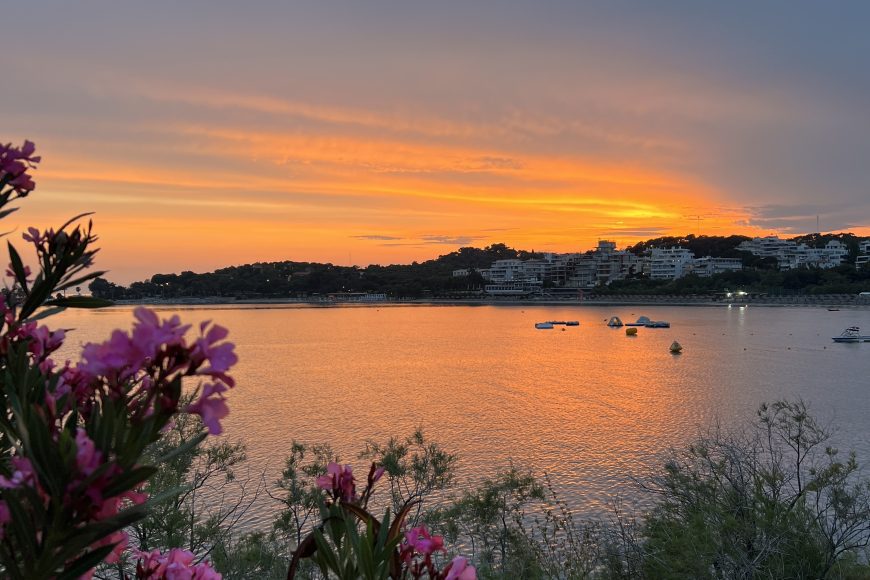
pixel 129 480
pixel 46 313
pixel 6 212
pixel 325 552
pixel 73 219
pixel 183 448
pixel 17 266
pixel 86 562
pixel 79 302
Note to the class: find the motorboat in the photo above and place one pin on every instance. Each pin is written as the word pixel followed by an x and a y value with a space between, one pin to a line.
pixel 642 321
pixel 657 324
pixel 572 323
pixel 851 334
pixel 544 325
pixel 614 322
pixel 676 347
pixel 630 332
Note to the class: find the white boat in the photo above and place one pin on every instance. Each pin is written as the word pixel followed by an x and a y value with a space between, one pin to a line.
pixel 851 334
pixel 642 321
pixel 544 325
pixel 614 322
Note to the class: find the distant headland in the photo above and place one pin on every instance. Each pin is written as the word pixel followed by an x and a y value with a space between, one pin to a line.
pixel 814 268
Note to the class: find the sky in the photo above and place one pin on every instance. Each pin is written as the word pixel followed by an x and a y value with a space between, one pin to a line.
pixel 212 133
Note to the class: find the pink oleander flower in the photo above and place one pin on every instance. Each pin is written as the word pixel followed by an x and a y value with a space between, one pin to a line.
pixel 177 564
pixel 211 407
pixel 420 540
pixel 14 163
pixel 22 474
pixel 88 458
pixel 339 479
pixel 220 357
pixel 43 341
pixel 459 569
pixel 35 237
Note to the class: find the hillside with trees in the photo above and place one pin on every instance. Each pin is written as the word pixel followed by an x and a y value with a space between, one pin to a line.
pixel 434 278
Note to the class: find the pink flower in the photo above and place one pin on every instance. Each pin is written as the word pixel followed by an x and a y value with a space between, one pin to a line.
pixel 423 542
pixel 379 472
pixel 211 406
pixel 22 474
pixel 339 480
pixel 220 357
pixel 459 569
pixel 34 236
pixel 42 341
pixel 177 564
pixel 88 458
pixel 14 164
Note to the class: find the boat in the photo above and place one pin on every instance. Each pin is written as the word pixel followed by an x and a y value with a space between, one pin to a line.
pixel 557 322
pixel 833 309
pixel 658 324
pixel 544 325
pixel 851 334
pixel 676 347
pixel 614 322
pixel 642 321
pixel 630 332
pixel 572 323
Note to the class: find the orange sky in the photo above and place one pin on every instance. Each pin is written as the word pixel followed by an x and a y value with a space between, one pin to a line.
pixel 391 135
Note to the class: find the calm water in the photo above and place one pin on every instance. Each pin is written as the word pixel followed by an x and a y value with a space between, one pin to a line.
pixel 587 405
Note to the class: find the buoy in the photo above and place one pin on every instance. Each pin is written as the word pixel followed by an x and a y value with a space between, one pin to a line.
pixel 676 347
pixel 630 332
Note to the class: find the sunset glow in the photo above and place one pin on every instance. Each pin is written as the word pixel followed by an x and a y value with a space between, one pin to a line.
pixel 292 150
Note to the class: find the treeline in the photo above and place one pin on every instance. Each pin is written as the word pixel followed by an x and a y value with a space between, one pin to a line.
pixel 434 278
pixel 845 279
pixel 302 279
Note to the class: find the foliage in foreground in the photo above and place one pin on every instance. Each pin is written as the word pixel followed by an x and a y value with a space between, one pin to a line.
pixel 73 437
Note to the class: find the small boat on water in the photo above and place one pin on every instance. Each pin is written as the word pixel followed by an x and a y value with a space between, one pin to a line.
pixel 572 323
pixel 630 332
pixel 851 334
pixel 676 347
pixel 614 322
pixel 658 324
pixel 642 321
pixel 544 325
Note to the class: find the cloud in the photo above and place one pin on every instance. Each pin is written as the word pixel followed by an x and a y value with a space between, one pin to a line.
pixel 639 232
pixel 450 240
pixel 802 217
pixel 377 237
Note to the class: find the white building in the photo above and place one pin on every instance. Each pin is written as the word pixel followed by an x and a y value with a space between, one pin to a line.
pixel 670 263
pixel 507 271
pixel 707 266
pixel 790 255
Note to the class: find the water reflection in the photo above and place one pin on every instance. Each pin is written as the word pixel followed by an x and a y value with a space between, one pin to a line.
pixel 588 405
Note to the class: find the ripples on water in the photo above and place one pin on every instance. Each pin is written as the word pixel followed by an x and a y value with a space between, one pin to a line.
pixel 587 405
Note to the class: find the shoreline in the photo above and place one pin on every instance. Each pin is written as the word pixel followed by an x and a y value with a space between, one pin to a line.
pixel 639 301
